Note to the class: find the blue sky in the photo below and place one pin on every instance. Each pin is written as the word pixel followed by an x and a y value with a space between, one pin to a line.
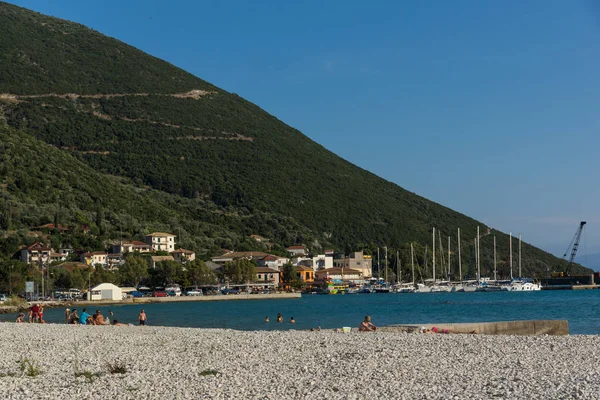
pixel 488 107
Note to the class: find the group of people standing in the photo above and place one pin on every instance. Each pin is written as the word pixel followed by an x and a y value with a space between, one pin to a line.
pixel 34 314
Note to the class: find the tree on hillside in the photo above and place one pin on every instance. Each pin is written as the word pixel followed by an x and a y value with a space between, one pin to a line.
pixel 134 271
pixel 199 274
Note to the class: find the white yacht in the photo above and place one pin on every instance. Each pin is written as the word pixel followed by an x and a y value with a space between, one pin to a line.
pixel 523 285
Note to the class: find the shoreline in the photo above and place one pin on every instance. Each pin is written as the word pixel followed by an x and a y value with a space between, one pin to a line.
pixel 150 300
pixel 228 364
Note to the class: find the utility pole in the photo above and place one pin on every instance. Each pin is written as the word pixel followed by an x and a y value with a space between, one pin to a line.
pixel 459 259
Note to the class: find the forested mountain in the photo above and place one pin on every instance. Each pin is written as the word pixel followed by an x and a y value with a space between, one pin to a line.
pixel 98 127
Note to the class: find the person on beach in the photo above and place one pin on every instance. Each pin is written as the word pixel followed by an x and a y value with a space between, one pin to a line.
pixel 41 314
pixel 83 318
pixel 117 323
pixel 279 317
pixel 267 319
pixel 99 319
pixel 35 309
pixel 67 312
pixel 292 320
pixel 20 319
pixel 366 325
pixel 73 317
pixel 142 318
pixel 29 316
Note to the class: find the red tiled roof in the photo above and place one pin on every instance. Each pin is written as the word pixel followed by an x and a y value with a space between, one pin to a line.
pixel 296 248
pixel 183 251
pixel 271 257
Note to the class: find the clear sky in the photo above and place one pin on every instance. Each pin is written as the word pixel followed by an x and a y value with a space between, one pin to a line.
pixel 489 107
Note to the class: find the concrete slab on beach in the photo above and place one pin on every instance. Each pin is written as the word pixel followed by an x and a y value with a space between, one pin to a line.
pixel 530 328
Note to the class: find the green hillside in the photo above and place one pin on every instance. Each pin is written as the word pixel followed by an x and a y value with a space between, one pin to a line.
pixel 167 150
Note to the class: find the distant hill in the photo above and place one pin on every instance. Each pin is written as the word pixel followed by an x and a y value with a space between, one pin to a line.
pixel 96 124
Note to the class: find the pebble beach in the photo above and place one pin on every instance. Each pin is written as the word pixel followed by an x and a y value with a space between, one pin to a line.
pixel 130 362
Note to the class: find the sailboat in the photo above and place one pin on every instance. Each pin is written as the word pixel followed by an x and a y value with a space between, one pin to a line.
pixel 521 284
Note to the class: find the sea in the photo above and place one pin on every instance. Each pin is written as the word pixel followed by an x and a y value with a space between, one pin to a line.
pixel 580 307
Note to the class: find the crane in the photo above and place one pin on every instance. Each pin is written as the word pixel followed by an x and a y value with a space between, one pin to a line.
pixel 573 248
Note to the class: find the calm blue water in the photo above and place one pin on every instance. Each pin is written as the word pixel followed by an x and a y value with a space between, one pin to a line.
pixel 580 308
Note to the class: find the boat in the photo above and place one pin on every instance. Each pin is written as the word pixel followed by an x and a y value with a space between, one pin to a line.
pixel 365 290
pixel 523 285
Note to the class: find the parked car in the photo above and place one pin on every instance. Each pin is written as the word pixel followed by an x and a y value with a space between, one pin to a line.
pixel 172 293
pixel 3 298
pixel 136 293
pixel 159 293
pixel 194 292
pixel 230 291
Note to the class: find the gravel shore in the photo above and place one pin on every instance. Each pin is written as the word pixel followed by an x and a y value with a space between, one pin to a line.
pixel 182 363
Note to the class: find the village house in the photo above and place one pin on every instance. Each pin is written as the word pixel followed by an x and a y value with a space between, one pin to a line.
pixel 236 255
pixel 57 257
pixel 94 258
pixel 357 261
pixel 267 276
pixel 183 256
pixel 131 247
pixel 36 253
pixel 340 274
pixel 156 259
pixel 114 260
pixel 299 250
pixel 305 274
pixel 161 241
pixel 272 261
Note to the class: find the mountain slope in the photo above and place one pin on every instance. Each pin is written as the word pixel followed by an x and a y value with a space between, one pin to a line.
pixel 125 113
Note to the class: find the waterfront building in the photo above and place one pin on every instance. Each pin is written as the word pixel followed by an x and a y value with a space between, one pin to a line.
pixel 106 291
pixel 267 276
pixel 305 274
pixel 357 261
pixel 236 255
pixel 340 274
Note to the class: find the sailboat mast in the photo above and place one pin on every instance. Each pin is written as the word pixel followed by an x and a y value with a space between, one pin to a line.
pixel 510 253
pixel 495 277
pixel 478 257
pixel 520 275
pixel 433 255
pixel 378 265
pixel 459 259
pixel 448 257
pixel 398 267
pixel 412 261
pixel 386 265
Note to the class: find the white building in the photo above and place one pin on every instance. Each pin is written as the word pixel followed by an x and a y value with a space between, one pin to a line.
pixel 106 291
pixel 316 263
pixel 272 261
pixel 298 250
pixel 161 241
